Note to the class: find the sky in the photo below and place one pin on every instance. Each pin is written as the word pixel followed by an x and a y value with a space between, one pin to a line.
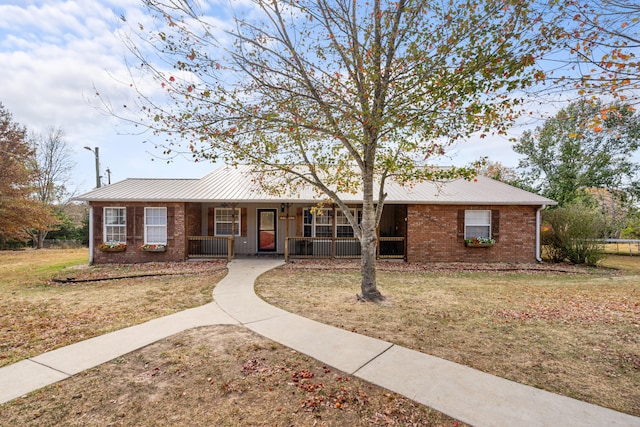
pixel 55 54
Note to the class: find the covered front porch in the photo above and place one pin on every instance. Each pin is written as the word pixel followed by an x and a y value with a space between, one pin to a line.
pixel 224 230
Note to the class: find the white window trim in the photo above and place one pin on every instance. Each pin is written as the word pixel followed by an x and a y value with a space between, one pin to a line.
pixel 105 225
pixel 238 222
pixel 347 224
pixel 334 221
pixel 146 240
pixel 468 223
pixel 314 224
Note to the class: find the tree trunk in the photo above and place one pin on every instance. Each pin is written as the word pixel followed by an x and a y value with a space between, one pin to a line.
pixel 40 236
pixel 368 268
pixel 368 243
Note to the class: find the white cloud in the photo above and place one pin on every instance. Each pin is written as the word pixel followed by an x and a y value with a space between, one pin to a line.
pixel 53 53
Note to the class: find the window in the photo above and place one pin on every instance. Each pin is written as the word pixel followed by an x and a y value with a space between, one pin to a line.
pixel 115 225
pixel 321 223
pixel 223 221
pixel 318 224
pixel 343 228
pixel 307 223
pixel 324 223
pixel 477 224
pixel 155 226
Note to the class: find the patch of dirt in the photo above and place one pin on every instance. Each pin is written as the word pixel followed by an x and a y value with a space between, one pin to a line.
pixel 127 271
pixel 221 375
pixel 453 267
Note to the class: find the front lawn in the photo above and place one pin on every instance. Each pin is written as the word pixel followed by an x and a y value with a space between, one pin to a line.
pixel 569 330
pixel 39 315
pixel 219 375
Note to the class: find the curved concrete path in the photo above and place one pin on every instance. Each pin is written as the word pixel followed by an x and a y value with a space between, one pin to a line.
pixel 466 394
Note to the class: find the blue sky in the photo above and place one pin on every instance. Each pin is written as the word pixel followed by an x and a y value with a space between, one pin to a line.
pixel 52 55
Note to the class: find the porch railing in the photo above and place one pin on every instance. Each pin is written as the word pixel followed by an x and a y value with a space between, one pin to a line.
pixel 391 247
pixel 340 247
pixel 209 247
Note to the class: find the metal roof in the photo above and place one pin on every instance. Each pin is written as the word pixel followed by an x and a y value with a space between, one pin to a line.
pixel 240 184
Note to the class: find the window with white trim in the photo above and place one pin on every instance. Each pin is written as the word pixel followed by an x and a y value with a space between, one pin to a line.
pixel 320 223
pixel 115 225
pixel 307 223
pixel 155 226
pixel 223 221
pixel 343 227
pixel 477 223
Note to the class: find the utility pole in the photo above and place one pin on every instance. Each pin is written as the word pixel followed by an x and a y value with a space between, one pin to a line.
pixel 96 153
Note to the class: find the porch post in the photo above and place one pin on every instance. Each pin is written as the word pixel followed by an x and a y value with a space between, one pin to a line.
pixel 286 249
pixel 232 251
pixel 286 234
pixel 378 241
pixel 406 231
pixel 334 227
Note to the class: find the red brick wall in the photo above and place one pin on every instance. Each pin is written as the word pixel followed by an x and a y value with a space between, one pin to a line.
pixel 176 237
pixel 433 235
pixel 194 219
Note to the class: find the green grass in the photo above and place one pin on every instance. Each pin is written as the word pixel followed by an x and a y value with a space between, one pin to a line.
pixel 21 270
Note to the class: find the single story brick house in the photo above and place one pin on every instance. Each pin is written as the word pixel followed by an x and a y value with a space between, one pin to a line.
pixel 227 213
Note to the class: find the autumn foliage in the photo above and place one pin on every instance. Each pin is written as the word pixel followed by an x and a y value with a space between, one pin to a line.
pixel 19 212
pixel 601 41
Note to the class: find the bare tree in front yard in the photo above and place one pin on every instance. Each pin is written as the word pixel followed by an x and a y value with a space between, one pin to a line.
pixel 338 95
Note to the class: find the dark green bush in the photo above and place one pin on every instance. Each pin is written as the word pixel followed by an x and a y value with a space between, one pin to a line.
pixel 571 233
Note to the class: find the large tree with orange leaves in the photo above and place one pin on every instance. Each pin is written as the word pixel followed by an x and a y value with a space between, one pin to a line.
pixel 19 212
pixel 599 43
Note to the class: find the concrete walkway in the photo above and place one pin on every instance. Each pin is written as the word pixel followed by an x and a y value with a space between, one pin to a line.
pixel 463 393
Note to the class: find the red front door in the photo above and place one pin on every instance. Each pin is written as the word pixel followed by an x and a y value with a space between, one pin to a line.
pixel 267 219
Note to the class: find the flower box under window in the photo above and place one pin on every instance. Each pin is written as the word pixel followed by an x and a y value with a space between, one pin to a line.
pixel 479 242
pixel 153 248
pixel 112 247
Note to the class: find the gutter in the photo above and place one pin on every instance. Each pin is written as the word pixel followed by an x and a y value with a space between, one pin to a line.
pixel 90 235
pixel 538 227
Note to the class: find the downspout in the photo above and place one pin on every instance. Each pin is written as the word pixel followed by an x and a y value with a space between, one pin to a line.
pixel 90 235
pixel 538 227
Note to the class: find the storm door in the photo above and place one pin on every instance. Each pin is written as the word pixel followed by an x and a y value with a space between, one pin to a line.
pixel 267 230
